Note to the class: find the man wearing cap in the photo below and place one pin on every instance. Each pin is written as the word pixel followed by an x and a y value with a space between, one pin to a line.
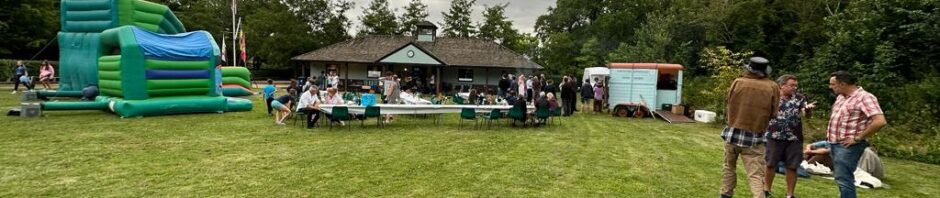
pixel 752 101
pixel 855 117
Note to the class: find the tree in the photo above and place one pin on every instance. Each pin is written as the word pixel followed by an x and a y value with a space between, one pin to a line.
pixel 415 12
pixel 378 19
pixel 497 27
pixel 26 27
pixel 457 21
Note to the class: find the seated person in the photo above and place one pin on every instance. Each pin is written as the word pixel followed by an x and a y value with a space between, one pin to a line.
pixel 520 104
pixel 512 97
pixel 472 97
pixel 818 152
pixel 552 102
pixel 368 99
pixel 332 98
pixel 540 102
pixel 309 104
pixel 489 98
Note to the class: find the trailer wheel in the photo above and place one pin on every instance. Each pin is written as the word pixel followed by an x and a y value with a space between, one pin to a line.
pixel 640 113
pixel 621 111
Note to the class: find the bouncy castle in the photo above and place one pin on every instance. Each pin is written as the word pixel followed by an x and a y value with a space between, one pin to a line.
pixel 142 61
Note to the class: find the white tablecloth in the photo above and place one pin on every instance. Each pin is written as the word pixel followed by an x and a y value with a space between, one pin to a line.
pixel 418 109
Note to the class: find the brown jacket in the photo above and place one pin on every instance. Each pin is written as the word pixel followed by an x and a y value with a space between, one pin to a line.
pixel 752 102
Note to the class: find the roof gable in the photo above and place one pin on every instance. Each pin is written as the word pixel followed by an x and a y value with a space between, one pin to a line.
pixel 411 54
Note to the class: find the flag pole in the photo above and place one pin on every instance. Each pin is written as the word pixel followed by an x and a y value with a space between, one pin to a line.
pixel 234 32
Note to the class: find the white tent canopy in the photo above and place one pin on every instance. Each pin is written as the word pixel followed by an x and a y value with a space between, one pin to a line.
pixel 599 72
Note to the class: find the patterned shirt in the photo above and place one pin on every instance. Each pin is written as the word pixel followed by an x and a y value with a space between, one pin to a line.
pixel 787 125
pixel 851 114
pixel 741 137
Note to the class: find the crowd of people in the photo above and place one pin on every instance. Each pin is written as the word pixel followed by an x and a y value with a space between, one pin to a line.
pixel 519 89
pixel 764 129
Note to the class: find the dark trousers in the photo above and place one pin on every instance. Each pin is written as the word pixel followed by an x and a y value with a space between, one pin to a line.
pixel 598 105
pixel 313 115
pixel 17 82
pixel 267 102
pixel 568 105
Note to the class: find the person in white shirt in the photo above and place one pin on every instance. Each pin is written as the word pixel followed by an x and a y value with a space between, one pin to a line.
pixel 332 98
pixel 309 104
pixel 333 79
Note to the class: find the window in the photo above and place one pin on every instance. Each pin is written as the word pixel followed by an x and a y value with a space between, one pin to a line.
pixel 465 75
pixel 426 31
pixel 374 71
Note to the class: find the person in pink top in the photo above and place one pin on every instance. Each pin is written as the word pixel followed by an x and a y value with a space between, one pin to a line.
pixel 855 117
pixel 46 73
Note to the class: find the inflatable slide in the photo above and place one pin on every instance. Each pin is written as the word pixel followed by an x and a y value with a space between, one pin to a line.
pixel 137 54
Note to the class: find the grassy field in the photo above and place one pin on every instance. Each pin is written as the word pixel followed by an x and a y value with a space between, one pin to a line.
pixel 94 154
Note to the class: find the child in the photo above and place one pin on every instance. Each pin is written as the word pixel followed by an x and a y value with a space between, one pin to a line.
pixel 268 93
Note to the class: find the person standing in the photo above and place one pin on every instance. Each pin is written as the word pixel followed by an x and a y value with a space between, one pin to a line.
pixel 523 91
pixel 568 95
pixel 752 101
pixel 46 73
pixel 536 88
pixel 785 134
pixel 856 116
pixel 334 79
pixel 19 72
pixel 309 104
pixel 587 93
pixel 598 97
pixel 504 84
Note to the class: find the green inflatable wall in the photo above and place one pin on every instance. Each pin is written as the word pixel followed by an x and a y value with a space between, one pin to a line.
pixel 99 46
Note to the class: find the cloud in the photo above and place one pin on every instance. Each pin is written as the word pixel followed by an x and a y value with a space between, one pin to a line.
pixel 522 13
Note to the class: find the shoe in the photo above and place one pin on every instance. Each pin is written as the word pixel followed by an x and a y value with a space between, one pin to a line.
pixel 14 92
pixel 280 123
pixel 725 196
pixel 341 123
pixel 767 194
pixel 791 196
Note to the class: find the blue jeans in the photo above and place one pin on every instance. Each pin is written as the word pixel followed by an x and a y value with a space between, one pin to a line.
pixel 844 162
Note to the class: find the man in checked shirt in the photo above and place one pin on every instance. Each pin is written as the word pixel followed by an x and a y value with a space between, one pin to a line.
pixel 752 101
pixel 855 117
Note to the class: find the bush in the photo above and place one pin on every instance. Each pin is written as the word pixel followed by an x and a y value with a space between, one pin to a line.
pixel 724 66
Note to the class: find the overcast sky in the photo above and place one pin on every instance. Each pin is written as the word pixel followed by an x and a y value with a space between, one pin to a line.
pixel 522 13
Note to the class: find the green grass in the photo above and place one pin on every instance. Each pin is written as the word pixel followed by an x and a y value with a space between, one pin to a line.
pixel 93 154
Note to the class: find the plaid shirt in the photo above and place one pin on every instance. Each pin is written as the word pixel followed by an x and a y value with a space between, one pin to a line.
pixel 851 115
pixel 741 137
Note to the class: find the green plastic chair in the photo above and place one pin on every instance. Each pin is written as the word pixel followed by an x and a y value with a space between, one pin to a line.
pixel 542 114
pixel 494 116
pixel 339 113
pixel 556 114
pixel 457 99
pixel 372 111
pixel 517 114
pixel 468 114
pixel 299 116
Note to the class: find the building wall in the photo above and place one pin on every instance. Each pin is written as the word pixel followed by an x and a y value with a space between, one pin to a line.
pixel 359 72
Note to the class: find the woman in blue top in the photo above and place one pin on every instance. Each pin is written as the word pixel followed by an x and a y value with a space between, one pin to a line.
pixel 20 72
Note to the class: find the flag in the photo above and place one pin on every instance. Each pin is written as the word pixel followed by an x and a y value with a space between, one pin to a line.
pixel 244 53
pixel 223 49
